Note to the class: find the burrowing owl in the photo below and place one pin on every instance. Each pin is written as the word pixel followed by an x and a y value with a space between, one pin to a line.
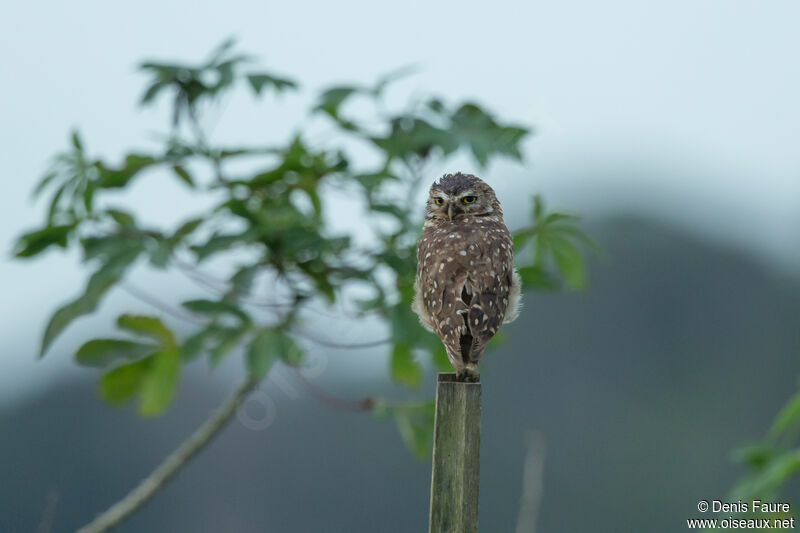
pixel 466 284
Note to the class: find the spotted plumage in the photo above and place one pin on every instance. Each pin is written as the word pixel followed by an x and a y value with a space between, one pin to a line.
pixel 466 284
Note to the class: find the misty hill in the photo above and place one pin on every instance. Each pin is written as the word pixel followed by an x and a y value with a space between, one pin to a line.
pixel 680 351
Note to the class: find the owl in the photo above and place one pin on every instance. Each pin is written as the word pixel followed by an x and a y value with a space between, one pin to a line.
pixel 466 284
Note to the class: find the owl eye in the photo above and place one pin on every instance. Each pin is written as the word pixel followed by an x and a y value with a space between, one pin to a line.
pixel 438 201
pixel 469 199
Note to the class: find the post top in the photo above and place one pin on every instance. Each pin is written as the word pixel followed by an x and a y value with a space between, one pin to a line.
pixel 450 377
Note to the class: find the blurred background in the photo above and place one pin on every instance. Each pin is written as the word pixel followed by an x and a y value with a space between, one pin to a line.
pixel 672 127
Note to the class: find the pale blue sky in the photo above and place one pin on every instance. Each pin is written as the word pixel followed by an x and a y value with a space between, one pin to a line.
pixel 684 109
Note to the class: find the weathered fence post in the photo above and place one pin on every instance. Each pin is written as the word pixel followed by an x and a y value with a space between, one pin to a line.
pixel 456 457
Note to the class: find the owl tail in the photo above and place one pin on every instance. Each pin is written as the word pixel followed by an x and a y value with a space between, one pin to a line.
pixel 455 360
pixel 466 347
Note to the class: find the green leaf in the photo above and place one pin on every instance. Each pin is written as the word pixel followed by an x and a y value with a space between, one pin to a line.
pixel 577 234
pixel 559 217
pixel 44 182
pixel 215 307
pixel 478 130
pixel 35 242
pixel 262 353
pixel 756 455
pixel 262 80
pixel 219 242
pixel 194 344
pixel 153 378
pixel 120 384
pixel 123 218
pixel 390 77
pixel 331 100
pixel 538 208
pixel 788 415
pixel 115 178
pixel 186 229
pixel 774 474
pixel 152 91
pixel 101 352
pixel 536 277
pixel 147 326
pixel 159 383
pixel 416 429
pixel 99 283
pixel 278 343
pixel 288 350
pixel 243 279
pixel 227 339
pixel 160 252
pixel 404 368
pixel 76 141
pixel 184 175
pixel 569 260
pixel 220 51
pixel 108 246
pixel 415 137
pixel 414 421
pixel 405 324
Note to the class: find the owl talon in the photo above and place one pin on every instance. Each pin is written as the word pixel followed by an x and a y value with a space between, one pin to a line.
pixel 468 375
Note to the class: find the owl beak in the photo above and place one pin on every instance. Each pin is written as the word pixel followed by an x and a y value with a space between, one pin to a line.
pixel 450 212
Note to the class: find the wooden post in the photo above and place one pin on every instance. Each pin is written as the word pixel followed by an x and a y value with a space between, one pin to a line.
pixel 456 457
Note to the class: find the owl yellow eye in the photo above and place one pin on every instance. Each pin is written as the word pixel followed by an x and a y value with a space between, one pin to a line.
pixel 438 201
pixel 469 199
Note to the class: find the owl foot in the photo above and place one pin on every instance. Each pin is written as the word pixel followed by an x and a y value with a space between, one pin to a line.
pixel 468 375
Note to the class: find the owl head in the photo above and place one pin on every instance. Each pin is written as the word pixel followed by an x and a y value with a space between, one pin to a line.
pixel 459 195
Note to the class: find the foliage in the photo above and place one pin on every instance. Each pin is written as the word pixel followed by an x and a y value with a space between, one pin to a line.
pixel 276 212
pixel 773 461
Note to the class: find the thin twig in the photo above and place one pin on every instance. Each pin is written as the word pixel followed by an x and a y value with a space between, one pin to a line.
pixel 331 400
pixel 344 346
pixel 199 276
pixel 149 299
pixel 219 286
pixel 149 486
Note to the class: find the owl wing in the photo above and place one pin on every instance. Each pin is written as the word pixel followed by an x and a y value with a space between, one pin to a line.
pixel 440 277
pixel 490 278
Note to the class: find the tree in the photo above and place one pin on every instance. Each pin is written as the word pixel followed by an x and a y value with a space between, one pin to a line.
pixel 269 222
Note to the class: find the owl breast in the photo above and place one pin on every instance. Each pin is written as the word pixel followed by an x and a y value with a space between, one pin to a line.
pixel 464 282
